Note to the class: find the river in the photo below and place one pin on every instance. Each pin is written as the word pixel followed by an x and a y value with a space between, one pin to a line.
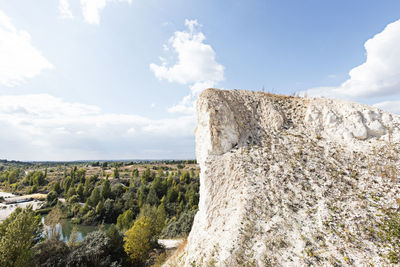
pixel 64 229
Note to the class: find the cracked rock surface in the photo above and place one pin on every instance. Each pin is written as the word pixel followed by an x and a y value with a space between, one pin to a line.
pixel 290 181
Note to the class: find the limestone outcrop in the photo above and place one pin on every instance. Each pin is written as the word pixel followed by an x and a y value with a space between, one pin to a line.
pixel 291 181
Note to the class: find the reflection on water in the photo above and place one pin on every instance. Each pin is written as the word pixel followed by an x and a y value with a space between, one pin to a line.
pixel 64 229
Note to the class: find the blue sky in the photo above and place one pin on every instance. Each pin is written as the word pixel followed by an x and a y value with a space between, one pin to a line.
pixel 108 79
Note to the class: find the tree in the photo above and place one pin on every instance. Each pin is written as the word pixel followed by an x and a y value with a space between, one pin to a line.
pixel 51 220
pixel 116 240
pixel 57 187
pixel 95 197
pixel 79 191
pixel 73 239
pixel 52 252
pixel 152 198
pixel 71 192
pixel 137 240
pixel 94 250
pixel 100 208
pixel 181 226
pixel 51 198
pixel 157 218
pixel 185 177
pixel 106 190
pixel 18 234
pixel 116 172
pixel 125 220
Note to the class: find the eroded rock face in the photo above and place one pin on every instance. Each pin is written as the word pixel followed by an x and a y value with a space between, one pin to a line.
pixel 289 181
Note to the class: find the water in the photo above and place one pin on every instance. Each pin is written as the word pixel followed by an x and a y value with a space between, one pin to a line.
pixel 65 226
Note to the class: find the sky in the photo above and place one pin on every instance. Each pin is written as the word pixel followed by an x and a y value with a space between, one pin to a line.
pixel 118 79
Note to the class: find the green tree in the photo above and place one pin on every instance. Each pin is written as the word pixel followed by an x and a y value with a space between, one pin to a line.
pixel 52 252
pixel 152 198
pixel 185 177
pixel 116 240
pixel 137 240
pixel 79 191
pixel 100 208
pixel 95 197
pixel 57 187
pixel 71 192
pixel 51 198
pixel 18 234
pixel 73 238
pixel 125 220
pixel 157 218
pixel 116 172
pixel 51 220
pixel 106 189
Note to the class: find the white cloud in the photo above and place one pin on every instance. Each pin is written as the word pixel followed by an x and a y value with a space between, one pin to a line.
pixel 378 76
pixel 91 9
pixel 196 64
pixel 64 9
pixel 390 106
pixel 43 127
pixel 18 58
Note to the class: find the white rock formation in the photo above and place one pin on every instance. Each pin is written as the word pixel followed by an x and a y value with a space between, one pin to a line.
pixel 289 181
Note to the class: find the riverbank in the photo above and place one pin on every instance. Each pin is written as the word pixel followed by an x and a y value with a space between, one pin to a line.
pixel 11 202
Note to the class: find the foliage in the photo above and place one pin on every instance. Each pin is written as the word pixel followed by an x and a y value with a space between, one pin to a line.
pixel 51 220
pixel 51 198
pixel 18 234
pixel 94 250
pixel 137 240
pixel 125 220
pixel 389 234
pixel 51 252
pixel 180 227
pixel 159 193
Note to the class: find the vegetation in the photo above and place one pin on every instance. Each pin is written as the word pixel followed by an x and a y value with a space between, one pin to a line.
pixel 389 234
pixel 18 234
pixel 142 202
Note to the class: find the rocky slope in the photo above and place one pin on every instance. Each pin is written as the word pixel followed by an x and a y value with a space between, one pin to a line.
pixel 289 181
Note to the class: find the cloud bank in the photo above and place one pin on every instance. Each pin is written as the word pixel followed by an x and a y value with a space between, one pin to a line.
pixel 19 59
pixel 378 76
pixel 46 127
pixel 196 65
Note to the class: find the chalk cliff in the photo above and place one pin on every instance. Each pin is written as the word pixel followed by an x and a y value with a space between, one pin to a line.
pixel 290 181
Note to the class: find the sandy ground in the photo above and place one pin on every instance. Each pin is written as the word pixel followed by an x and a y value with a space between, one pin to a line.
pixel 170 243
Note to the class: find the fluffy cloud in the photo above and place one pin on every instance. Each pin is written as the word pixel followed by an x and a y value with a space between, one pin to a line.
pixel 196 64
pixel 378 76
pixel 91 9
pixel 18 58
pixel 38 127
pixel 391 106
pixel 64 9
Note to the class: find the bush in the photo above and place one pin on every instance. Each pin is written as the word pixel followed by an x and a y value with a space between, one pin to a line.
pixel 94 250
pixel 51 252
pixel 180 227
pixel 137 240
pixel 18 234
